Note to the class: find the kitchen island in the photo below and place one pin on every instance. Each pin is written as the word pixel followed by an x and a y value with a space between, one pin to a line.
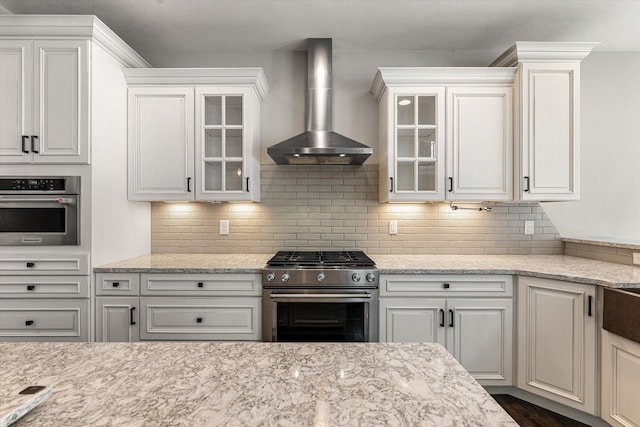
pixel 212 383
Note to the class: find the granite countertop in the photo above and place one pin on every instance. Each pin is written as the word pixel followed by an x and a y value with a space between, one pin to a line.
pixel 195 384
pixel 559 267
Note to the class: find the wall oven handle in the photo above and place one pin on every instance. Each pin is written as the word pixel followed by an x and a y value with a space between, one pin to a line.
pixel 310 296
pixel 61 200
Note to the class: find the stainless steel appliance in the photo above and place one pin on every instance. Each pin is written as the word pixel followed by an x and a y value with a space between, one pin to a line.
pixel 39 211
pixel 319 144
pixel 320 296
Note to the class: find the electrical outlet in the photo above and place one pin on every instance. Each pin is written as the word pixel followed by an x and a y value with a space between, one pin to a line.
pixel 636 258
pixel 393 227
pixel 224 227
pixel 529 227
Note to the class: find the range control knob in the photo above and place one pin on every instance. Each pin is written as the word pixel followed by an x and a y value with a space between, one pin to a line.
pixel 355 277
pixel 285 277
pixel 320 276
pixel 371 277
pixel 270 277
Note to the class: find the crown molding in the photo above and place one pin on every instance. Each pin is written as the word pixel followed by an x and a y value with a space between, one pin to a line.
pixel 420 76
pixel 544 52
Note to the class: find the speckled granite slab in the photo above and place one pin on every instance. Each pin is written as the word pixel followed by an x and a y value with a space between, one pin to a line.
pixel 188 263
pixel 629 244
pixel 558 267
pixel 238 384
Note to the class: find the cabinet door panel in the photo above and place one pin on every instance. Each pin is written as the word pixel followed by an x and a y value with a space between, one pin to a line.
pixel 16 76
pixel 61 106
pixel 557 341
pixel 479 143
pixel 620 380
pixel 161 143
pixel 211 318
pixel 551 131
pixel 117 319
pixel 406 320
pixel 481 338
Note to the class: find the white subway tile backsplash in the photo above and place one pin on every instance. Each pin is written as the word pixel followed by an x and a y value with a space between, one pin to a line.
pixel 336 207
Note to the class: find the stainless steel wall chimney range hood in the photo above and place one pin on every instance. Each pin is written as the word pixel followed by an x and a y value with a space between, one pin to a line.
pixel 319 144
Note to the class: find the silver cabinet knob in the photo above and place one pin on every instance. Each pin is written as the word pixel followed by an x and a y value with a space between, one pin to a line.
pixel 285 277
pixel 270 277
pixel 371 277
pixel 355 277
pixel 320 276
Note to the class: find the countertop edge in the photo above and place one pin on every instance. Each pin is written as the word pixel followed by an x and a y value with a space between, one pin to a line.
pixel 180 270
pixel 516 272
pixel 607 243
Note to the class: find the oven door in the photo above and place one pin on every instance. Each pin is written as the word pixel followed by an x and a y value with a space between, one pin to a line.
pixel 39 220
pixel 312 314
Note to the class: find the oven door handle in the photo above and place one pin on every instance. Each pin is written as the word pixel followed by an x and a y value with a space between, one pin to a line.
pixel 60 200
pixel 319 295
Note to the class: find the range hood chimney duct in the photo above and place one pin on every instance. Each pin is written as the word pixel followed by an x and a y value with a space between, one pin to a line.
pixel 319 144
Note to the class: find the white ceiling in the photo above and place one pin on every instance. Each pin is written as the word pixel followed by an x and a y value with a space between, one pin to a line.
pixel 424 25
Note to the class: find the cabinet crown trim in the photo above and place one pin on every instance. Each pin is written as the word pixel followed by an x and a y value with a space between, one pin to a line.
pixel 417 76
pixel 250 76
pixel 544 52
pixel 71 26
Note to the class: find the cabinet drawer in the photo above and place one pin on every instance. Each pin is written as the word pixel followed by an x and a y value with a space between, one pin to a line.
pixel 446 285
pixel 44 287
pixel 201 284
pixel 117 284
pixel 74 264
pixel 44 320
pixel 200 318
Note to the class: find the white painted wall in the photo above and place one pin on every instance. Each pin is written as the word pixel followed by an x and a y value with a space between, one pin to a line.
pixel 610 205
pixel 119 228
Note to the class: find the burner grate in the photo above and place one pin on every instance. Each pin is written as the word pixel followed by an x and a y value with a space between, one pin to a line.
pixel 321 258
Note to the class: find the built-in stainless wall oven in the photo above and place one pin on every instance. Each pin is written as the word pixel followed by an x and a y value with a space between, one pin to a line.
pixel 39 211
pixel 320 296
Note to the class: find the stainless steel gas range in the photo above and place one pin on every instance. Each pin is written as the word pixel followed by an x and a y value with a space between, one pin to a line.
pixel 320 296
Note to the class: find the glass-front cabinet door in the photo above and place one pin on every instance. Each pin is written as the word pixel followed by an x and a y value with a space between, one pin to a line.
pixel 222 147
pixel 416 172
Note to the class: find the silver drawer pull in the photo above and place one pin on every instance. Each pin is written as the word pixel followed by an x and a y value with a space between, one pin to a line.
pixel 363 295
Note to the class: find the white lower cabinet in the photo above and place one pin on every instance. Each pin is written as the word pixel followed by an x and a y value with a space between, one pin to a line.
pixel 44 297
pixel 215 318
pixel 472 316
pixel 620 380
pixel 117 319
pixel 557 341
pixel 44 320
pixel 132 307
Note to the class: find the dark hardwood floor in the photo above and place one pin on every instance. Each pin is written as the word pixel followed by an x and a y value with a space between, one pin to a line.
pixel 529 415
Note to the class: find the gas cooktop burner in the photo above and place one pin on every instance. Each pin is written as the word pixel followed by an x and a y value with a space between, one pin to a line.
pixel 343 259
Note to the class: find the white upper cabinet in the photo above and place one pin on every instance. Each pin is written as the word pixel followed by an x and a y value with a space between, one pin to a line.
pixel 194 134
pixel 445 133
pixel 160 143
pixel 547 118
pixel 50 70
pixel 44 108
pixel 479 143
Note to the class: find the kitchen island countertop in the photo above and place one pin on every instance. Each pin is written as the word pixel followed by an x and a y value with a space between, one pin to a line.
pixel 194 384
pixel 559 267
